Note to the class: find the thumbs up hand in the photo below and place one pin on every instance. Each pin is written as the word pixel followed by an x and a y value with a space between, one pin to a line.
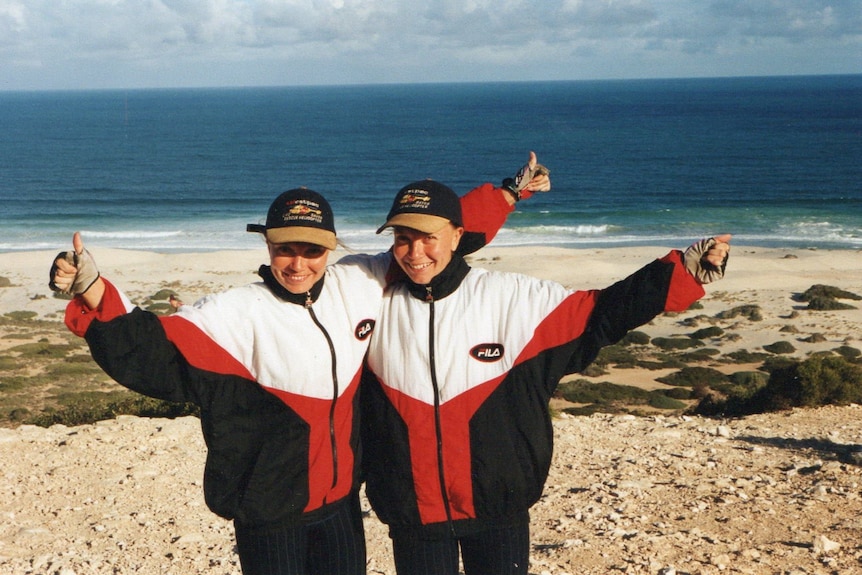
pixel 706 260
pixel 73 272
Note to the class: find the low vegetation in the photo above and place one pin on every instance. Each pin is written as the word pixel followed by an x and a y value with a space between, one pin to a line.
pixel 819 380
pixel 823 297
pixel 47 375
pixel 90 408
pixel 612 398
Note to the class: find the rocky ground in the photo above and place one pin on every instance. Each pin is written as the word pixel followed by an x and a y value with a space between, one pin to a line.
pixel 767 494
pixel 772 494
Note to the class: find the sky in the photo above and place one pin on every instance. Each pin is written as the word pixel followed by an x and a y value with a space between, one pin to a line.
pixel 128 44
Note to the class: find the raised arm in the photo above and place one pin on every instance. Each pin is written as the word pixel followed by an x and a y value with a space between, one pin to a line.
pixel 486 208
pixel 75 272
pixel 669 284
pixel 131 345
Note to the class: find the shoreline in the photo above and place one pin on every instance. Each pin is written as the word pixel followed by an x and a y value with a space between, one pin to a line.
pixel 750 268
pixel 766 277
pixel 365 241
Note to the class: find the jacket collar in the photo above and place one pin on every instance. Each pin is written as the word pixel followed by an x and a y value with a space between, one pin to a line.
pixel 304 299
pixel 444 283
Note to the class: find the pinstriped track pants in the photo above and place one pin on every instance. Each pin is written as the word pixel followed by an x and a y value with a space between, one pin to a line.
pixel 332 546
pixel 498 551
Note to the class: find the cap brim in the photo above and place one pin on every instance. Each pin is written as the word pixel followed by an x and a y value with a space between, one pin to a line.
pixel 422 222
pixel 302 234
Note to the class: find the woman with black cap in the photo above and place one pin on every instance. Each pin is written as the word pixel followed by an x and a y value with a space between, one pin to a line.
pixel 275 368
pixel 457 435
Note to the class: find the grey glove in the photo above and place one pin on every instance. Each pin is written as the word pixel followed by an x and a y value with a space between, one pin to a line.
pixel 698 266
pixel 516 185
pixel 86 276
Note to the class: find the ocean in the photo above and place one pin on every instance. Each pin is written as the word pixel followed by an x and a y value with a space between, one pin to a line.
pixel 776 161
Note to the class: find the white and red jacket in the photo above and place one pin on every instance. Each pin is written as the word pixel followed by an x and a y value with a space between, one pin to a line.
pixel 457 433
pixel 276 378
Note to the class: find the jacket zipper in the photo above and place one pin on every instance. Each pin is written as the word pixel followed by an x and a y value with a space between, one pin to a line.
pixel 429 297
pixel 332 440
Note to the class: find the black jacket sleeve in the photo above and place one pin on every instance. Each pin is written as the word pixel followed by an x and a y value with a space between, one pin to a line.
pixel 134 350
pixel 625 305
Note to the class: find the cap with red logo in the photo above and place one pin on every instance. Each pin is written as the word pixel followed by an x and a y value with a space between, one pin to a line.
pixel 426 206
pixel 299 215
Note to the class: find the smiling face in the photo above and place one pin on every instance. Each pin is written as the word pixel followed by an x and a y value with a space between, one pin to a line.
pixel 297 265
pixel 421 255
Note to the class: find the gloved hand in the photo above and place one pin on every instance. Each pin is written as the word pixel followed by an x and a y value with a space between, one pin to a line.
pixel 73 272
pixel 532 177
pixel 707 259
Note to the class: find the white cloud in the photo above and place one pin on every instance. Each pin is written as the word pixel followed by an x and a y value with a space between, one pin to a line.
pixel 117 43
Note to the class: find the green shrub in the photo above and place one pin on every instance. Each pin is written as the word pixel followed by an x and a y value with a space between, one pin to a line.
pixel 745 356
pixel 594 370
pixel 677 392
pixel 72 369
pixel 695 321
pixel 587 410
pixel 661 362
pixel 828 380
pixel 21 315
pixel 750 311
pixel 700 391
pixel 14 383
pixel 695 375
pixel 749 379
pixel 660 400
pixel 7 363
pixel 635 338
pixel 780 347
pixel 776 362
pixel 81 412
pixel 820 303
pixel 814 338
pixel 615 355
pixel 668 343
pixel 16 335
pixel 604 393
pixel 703 354
pixel 159 308
pixel 163 294
pixel 18 414
pixel 819 380
pixel 742 384
pixel 825 291
pixel 42 350
pixel 80 358
pixel 848 353
pixel 707 332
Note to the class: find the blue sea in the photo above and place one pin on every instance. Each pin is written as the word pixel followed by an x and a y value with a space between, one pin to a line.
pixel 777 161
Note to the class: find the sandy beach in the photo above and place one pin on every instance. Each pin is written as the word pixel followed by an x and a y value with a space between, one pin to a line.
pixel 774 493
pixel 766 277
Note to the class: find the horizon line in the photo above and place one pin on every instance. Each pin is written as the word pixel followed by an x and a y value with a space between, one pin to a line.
pixel 427 83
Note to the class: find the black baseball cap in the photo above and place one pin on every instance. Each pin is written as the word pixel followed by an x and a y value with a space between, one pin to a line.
pixel 426 206
pixel 299 215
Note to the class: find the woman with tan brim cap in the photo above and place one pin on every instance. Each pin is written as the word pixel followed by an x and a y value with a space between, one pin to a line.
pixel 457 433
pixel 275 367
